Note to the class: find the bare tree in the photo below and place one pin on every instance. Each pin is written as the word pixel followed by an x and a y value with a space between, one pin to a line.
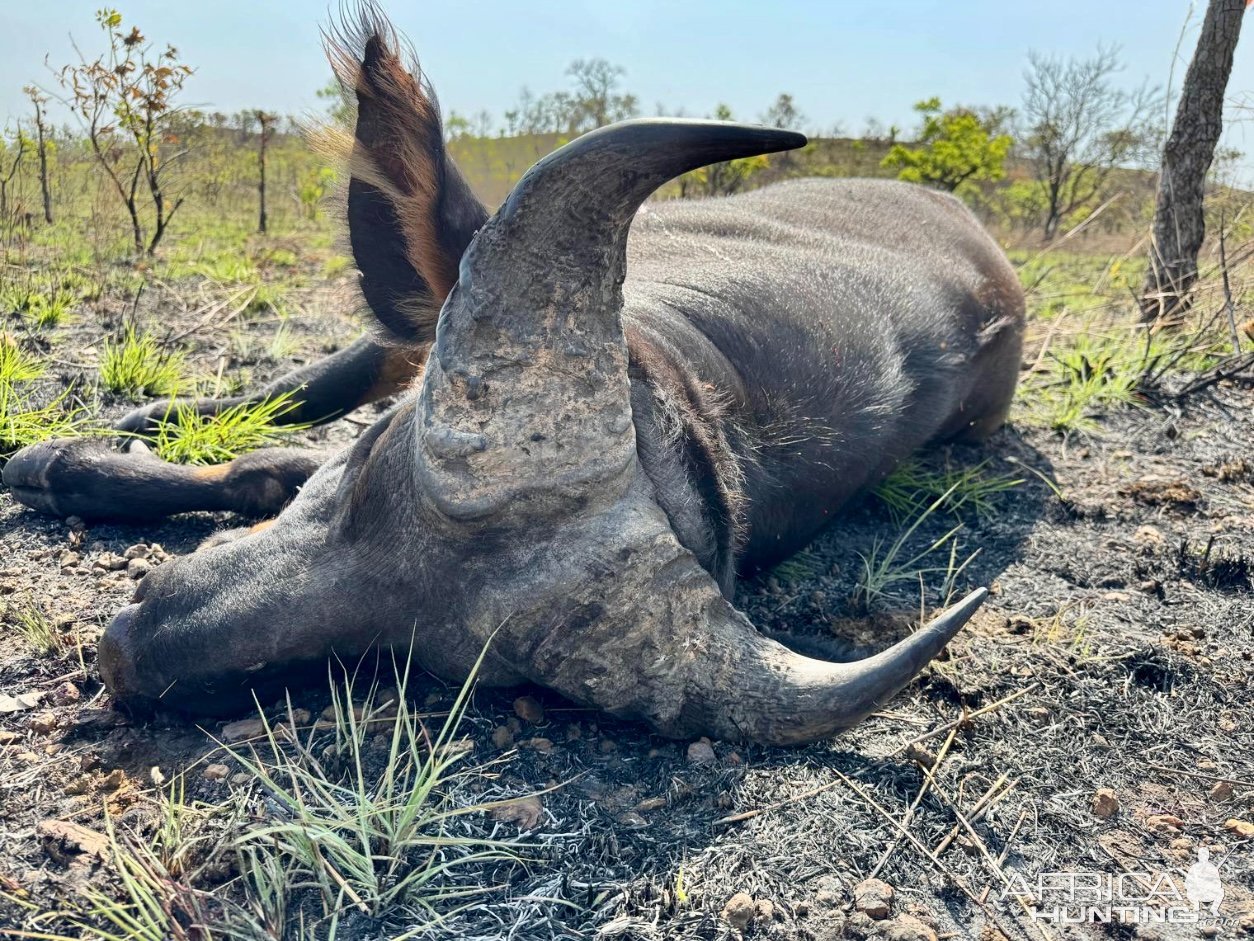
pixel 11 158
pixel 39 99
pixel 1080 127
pixel 597 99
pixel 783 113
pixel 266 120
pixel 124 100
pixel 1179 225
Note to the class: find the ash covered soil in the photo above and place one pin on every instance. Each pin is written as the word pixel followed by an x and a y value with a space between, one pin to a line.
pixel 1114 663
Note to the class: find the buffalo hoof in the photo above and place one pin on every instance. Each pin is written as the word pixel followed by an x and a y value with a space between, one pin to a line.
pixel 66 476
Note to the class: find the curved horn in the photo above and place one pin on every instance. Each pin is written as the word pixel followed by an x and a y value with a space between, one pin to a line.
pixel 657 641
pixel 775 696
pixel 525 397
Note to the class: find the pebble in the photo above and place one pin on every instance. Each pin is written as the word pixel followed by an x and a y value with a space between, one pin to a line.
pixel 1241 829
pixel 43 723
pixel 526 812
pixel 873 898
pixel 906 928
pixel 502 736
pixel 1105 803
pixel 66 694
pixel 216 772
pixel 701 753
pixel 543 745
pixel 138 568
pixel 1222 791
pixel 1165 822
pixel 241 778
pixel 244 728
pixel 739 911
pixel 528 709
pixel 113 780
pixel 138 551
pixel 111 561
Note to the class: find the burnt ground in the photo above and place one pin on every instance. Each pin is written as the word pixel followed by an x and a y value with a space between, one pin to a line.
pixel 1116 652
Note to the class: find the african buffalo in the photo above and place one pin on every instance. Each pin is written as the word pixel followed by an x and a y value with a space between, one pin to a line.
pixel 610 411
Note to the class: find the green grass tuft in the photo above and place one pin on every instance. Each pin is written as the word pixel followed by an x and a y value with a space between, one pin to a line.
pixel 135 365
pixel 186 437
pixel 912 486
pixel 35 628
pixel 24 419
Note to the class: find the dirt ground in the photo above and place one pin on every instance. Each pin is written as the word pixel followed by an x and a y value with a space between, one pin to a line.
pixel 1114 665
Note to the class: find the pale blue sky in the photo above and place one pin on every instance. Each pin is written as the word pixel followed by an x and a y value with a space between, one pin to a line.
pixel 843 61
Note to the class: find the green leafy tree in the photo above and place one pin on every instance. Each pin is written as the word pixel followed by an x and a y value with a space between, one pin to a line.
pixel 125 101
pixel 952 148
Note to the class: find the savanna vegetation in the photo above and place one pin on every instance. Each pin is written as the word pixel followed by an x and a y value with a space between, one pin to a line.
pixel 149 249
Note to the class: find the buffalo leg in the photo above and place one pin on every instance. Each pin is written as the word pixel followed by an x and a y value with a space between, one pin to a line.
pixel 322 391
pixel 88 478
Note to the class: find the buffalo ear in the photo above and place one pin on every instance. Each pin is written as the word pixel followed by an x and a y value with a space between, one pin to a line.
pixel 411 215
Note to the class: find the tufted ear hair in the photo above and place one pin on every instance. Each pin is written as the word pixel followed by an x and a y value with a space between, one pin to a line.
pixel 411 214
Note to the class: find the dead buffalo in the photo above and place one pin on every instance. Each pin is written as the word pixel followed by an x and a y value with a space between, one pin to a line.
pixel 608 412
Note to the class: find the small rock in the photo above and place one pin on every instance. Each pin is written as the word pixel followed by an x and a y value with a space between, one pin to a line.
pixel 80 785
pixel 502 736
pixel 543 745
pixel 1166 823
pixel 43 723
pixel 650 804
pixel 215 772
pixel 138 568
pixel 66 694
pixel 629 818
pixel 921 756
pixel 111 561
pixel 764 910
pixel 60 836
pixel 137 551
pixel 1151 586
pixel 528 709
pixel 1100 741
pixel 526 812
pixel 113 780
pixel 1105 803
pixel 244 728
pixel 1222 791
pixel 906 928
pixel 739 911
pixel 874 898
pixel 1149 538
pixel 701 753
pixel 1241 829
pixel 241 778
